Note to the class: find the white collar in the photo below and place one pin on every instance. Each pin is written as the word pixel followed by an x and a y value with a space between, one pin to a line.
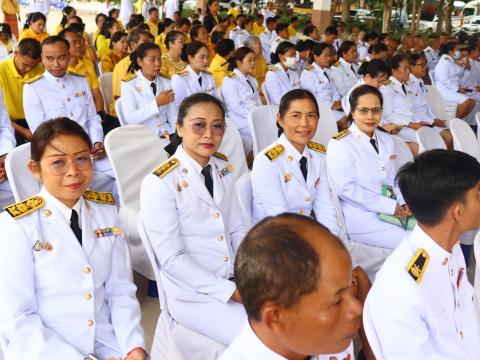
pixel 436 253
pixel 355 130
pixel 319 68
pixel 143 78
pixel 258 348
pixel 54 79
pixel 198 168
pixel 240 74
pixel 61 207
pixel 290 149
pixel 191 71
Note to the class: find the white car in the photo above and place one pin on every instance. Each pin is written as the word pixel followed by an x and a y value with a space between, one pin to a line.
pixel 472 26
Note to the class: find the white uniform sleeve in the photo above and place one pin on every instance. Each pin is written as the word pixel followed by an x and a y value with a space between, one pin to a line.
pixel 94 122
pixel 33 108
pixel 325 212
pixel 389 116
pixel 338 80
pixel 7 134
pixel 133 113
pixel 236 226
pixel 442 75
pixel 273 88
pixel 178 86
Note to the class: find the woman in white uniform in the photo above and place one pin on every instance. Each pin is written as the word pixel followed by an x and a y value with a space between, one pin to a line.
pixel 317 79
pixel 240 93
pixel 282 77
pixel 290 175
pixel 195 78
pixel 66 279
pixel 360 162
pixel 344 71
pixel 147 97
pixel 192 217
pixel 448 73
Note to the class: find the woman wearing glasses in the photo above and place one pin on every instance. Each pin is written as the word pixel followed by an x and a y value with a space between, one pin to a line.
pixel 65 274
pixel 360 162
pixel 192 218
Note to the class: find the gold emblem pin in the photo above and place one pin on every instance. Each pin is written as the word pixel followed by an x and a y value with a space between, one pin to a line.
pixel 290 158
pixel 37 246
pixel 288 177
pixel 184 184
pixel 184 170
pixel 47 212
pixel 47 246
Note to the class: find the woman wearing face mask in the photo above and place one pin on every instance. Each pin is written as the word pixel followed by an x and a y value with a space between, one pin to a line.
pixel 147 98
pixel 196 237
pixel 361 167
pixel 172 59
pixel 448 73
pixel 35 27
pixel 282 77
pixel 195 77
pixel 345 70
pixel 66 281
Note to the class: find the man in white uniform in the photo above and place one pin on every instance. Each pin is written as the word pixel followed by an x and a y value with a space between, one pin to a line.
pixel 421 304
pixel 7 143
pixel 170 7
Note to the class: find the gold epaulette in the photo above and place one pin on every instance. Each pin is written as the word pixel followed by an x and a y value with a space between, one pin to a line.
pixel 337 64
pixel 317 147
pixel 275 152
pixel 417 266
pixel 166 167
pixel 446 57
pixel 129 77
pixel 75 73
pixel 363 60
pixel 274 68
pixel 310 67
pixel 183 73
pixel 99 197
pixel 25 207
pixel 341 134
pixel 33 79
pixel 387 82
pixel 220 155
pixel 231 75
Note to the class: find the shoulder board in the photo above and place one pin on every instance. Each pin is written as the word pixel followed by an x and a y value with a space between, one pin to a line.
pixel 129 77
pixel 275 152
pixel 341 134
pixel 166 167
pixel 317 147
pixel 274 68
pixel 25 207
pixel 387 82
pixel 183 73
pixel 278 39
pixel 446 57
pixel 363 60
pixel 75 73
pixel 99 197
pixel 231 75
pixel 33 79
pixel 207 72
pixel 417 266
pixel 220 155
pixel 310 67
pixel 337 64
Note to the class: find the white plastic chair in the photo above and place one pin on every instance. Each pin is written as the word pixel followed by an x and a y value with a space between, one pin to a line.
pixel 464 138
pixel 232 147
pixel 262 122
pixel 22 181
pixel 134 151
pixel 429 139
pixel 436 102
pixel 245 198
pixel 476 250
pixel 265 93
pixel 119 112
pixel 477 118
pixel 402 151
pixel 106 88
pixel 327 125
pixel 172 340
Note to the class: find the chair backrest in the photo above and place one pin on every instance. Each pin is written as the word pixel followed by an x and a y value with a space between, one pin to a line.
pixel 262 122
pixel 436 102
pixel 327 125
pixel 245 197
pixel 106 87
pixel 265 93
pixel 119 112
pixel 233 148
pixel 429 139
pixel 464 138
pixel 402 151
pixel 22 182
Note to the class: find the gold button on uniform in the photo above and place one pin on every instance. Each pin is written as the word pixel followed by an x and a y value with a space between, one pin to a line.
pixel 87 270
pixel 307 198
pixel 216 215
pixel 47 212
pixel 220 237
pixel 461 334
pixel 88 296
pixel 68 99
pixel 301 212
pixel 382 168
pixel 445 261
pixel 225 258
pixel 90 322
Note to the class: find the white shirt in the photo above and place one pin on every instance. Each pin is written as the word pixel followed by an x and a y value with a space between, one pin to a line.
pixel 278 82
pixel 397 103
pixel 447 74
pixel 170 7
pixel 471 78
pixel 266 39
pixel 105 9
pixel 276 41
pixel 186 83
pixel 431 318
pixel 318 81
pixel 432 57
pixel 421 109
pixel 7 137
pixel 343 76
pixel 268 14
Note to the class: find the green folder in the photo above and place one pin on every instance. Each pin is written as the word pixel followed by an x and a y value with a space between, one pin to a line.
pixel 405 223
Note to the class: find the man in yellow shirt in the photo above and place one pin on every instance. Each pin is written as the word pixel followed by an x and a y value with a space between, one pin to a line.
pixel 258 27
pixel 24 65
pixel 219 65
pixel 292 28
pixel 233 10
pixel 152 21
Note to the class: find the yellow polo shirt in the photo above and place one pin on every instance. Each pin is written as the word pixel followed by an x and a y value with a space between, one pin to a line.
pixel 291 31
pixel 119 72
pixel 11 83
pixel 219 69
pixel 258 30
pixel 153 28
pixel 29 34
pixel 85 67
pixel 233 11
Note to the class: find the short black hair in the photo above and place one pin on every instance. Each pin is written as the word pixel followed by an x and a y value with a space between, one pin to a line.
pixel 30 47
pixel 395 60
pixel 436 180
pixel 152 9
pixel 281 27
pixel 331 30
pixel 54 39
pixel 225 47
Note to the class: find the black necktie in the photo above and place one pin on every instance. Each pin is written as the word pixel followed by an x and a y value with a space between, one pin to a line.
pixel 353 69
pixel 251 87
pixel 208 179
pixel 421 87
pixel 200 80
pixel 154 88
pixel 75 227
pixel 303 167
pixel 404 89
pixel 374 144
pixel 325 73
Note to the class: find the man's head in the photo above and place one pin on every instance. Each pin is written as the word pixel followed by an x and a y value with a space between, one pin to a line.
pixel 434 41
pixel 295 278
pixel 74 40
pixel 419 43
pixel 153 15
pixel 331 34
pixel 473 51
pixel 55 55
pixel 282 30
pixel 271 23
pixel 407 41
pixel 137 37
pixel 443 186
pixel 270 5
pixel 27 55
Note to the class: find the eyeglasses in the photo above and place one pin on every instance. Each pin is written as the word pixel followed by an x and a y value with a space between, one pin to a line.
pixel 421 64
pixel 199 128
pixel 365 111
pixel 60 167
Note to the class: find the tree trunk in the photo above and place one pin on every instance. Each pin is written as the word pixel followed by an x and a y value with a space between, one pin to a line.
pixel 413 21
pixel 439 28
pixel 345 10
pixel 387 15
pixel 448 17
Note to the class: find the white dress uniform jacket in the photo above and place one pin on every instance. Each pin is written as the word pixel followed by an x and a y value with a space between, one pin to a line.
pixel 7 134
pixel 60 299
pixel 358 173
pixel 266 38
pixel 278 82
pixel 279 186
pixel 48 97
pixel 169 8
pixel 243 36
pixel 234 33
pixel 344 76
pixel 275 42
pixel 247 346
pixel 471 78
pixel 195 238
pixel 447 80
pixel 421 304
pixel 139 104
pixel 346 98
pixel 432 57
pixel 318 81
pixel 185 83
pixel 362 50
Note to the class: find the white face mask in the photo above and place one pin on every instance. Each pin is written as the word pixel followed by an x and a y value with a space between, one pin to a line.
pixel 291 62
pixel 458 54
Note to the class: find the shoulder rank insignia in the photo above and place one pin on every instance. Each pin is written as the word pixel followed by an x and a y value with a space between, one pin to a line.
pixel 231 75
pixel 129 77
pixel 338 63
pixel 317 147
pixel 310 67
pixel 417 266
pixel 220 155
pixel 25 207
pixel 75 73
pixel 99 197
pixel 274 68
pixel 183 73
pixel 33 79
pixel 275 152
pixel 446 57
pixel 166 167
pixel 341 134
pixel 363 60
pixel 387 82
